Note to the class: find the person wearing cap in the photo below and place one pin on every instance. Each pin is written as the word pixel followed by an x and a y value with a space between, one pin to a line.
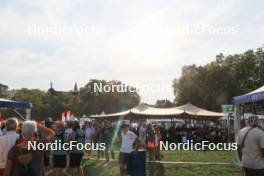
pixel 128 139
pixel 250 142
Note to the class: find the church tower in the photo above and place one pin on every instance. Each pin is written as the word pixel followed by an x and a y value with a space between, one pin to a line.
pixel 75 90
pixel 51 89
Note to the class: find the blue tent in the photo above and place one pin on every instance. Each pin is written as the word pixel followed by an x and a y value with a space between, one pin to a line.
pixel 254 96
pixel 10 104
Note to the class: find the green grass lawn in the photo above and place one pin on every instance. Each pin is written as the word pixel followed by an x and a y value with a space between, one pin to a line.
pixel 102 168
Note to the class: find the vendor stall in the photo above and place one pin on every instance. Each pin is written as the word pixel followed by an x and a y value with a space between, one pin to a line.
pixel 252 102
pixel 15 105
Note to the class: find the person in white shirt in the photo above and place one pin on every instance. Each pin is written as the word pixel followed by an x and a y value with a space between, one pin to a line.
pixel 128 139
pixel 7 141
pixel 251 148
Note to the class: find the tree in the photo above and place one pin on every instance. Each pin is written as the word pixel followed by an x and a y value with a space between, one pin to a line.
pixel 3 90
pixel 34 96
pixel 217 82
pixel 95 101
pixel 164 104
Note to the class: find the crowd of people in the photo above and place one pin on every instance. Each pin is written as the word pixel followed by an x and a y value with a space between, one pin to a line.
pixel 14 137
pixel 137 144
pixel 17 160
pixel 152 134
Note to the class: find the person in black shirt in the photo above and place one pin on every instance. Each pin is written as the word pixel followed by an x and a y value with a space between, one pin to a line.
pixel 107 138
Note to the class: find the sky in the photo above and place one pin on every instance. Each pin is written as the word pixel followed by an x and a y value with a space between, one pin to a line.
pixel 139 42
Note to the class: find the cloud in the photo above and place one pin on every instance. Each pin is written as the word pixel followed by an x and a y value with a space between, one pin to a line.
pixel 132 41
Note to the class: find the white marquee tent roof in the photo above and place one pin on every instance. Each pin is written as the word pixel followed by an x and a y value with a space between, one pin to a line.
pixel 196 111
pixel 143 109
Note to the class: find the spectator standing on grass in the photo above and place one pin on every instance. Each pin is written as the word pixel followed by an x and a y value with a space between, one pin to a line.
pixel 107 136
pixel 76 155
pixel 59 156
pixel 98 139
pixel 24 162
pixel 89 133
pixel 142 133
pixel 251 148
pixel 68 130
pixel 48 124
pixel 7 141
pixel 157 143
pixel 171 133
pixel 150 141
pixel 125 156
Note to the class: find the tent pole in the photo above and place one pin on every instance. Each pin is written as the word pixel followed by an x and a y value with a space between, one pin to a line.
pixel 237 119
pixel 228 127
pixel 21 116
pixel 28 114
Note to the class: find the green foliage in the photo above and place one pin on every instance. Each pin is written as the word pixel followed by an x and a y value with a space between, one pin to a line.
pixel 52 103
pixel 216 83
pixel 94 102
pixel 3 92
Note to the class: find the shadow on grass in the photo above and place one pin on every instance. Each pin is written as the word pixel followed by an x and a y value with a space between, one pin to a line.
pixel 156 169
pixel 100 168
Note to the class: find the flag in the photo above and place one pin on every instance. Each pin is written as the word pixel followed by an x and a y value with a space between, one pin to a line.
pixel 68 115
pixel 63 117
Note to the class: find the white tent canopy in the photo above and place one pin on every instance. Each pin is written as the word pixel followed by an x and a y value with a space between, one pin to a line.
pixel 151 111
pixel 146 110
pixel 196 111
pixel 111 115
